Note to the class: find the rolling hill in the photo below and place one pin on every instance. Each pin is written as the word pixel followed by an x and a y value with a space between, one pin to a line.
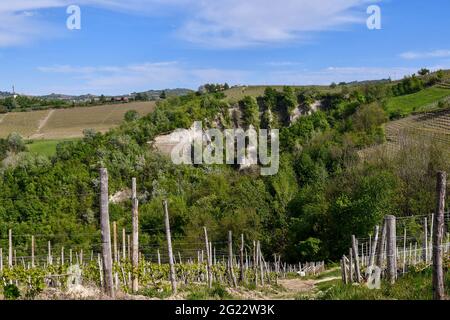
pixel 68 123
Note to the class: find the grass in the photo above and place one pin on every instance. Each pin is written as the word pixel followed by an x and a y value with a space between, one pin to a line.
pixel 45 147
pixel 334 271
pixel 162 292
pixel 412 286
pixel 201 292
pixel 404 105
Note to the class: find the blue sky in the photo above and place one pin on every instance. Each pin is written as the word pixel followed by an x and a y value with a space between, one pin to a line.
pixel 136 45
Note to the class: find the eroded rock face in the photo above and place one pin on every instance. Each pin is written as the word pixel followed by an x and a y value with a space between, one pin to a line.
pixel 301 111
pixel 166 144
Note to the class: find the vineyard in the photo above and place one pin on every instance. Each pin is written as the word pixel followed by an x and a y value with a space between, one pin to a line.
pixel 422 129
pixel 421 244
pixel 111 269
pixel 68 123
pixel 435 125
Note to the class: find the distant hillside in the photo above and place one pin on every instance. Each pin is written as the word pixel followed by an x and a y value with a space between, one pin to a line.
pixel 4 94
pixel 156 94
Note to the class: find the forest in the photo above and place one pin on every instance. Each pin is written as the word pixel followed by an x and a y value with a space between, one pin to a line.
pixel 322 193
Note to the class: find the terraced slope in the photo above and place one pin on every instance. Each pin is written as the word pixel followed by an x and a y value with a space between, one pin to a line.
pixel 417 129
pixel 435 125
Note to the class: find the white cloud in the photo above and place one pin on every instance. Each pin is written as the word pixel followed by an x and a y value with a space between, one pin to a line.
pixel 161 75
pixel 325 76
pixel 225 23
pixel 412 55
pixel 139 77
pixel 235 23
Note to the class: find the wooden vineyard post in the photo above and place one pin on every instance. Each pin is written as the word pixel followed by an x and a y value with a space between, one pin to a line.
pixel 10 249
pixel 99 260
pixel 208 259
pixel 210 253
pixel 116 257
pixel 129 246
pixel 438 234
pixel 230 259
pixel 430 245
pixel 62 256
pixel 391 248
pixel 173 280
pixel 350 266
pixel 380 247
pixel 356 259
pixel 159 258
pixel 425 240
pixel 106 234
pixel 404 252
pixel 344 271
pixel 242 270
pixel 255 262
pixel 373 247
pixel 135 240
pixel 50 258
pixel 261 262
pixel 32 251
pixel 124 244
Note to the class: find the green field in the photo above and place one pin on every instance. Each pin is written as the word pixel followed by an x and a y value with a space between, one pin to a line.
pixel 45 147
pixel 412 286
pixel 416 102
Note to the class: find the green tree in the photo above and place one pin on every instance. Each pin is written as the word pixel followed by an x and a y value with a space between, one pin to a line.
pixel 15 143
pixel 250 111
pixel 423 72
pixel 131 115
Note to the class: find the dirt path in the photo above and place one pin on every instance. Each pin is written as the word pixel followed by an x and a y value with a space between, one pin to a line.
pixel 297 286
pixel 2 117
pixel 44 121
pixel 42 124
